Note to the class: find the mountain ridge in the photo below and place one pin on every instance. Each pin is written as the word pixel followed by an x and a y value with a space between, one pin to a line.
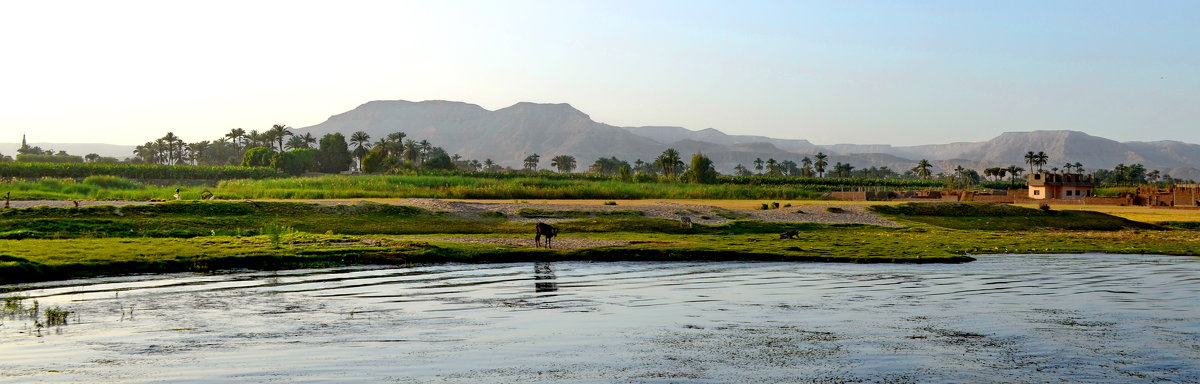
pixel 508 134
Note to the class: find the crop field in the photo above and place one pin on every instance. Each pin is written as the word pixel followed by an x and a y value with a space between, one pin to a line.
pixel 132 171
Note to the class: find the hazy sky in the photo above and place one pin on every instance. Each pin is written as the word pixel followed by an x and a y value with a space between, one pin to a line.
pixel 896 72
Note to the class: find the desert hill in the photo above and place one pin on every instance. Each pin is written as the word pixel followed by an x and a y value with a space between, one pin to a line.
pixel 509 134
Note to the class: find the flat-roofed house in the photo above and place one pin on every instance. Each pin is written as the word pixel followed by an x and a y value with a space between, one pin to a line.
pixel 1059 185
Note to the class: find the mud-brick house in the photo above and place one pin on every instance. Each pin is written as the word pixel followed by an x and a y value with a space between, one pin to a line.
pixel 1179 195
pixel 1067 186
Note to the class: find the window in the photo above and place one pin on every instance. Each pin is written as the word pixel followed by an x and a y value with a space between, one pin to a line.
pixel 1037 192
pixel 1069 192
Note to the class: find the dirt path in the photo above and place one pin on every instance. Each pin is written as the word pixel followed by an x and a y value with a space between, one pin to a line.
pixel 697 213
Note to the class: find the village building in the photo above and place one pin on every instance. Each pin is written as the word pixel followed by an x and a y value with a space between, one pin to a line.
pixel 1179 195
pixel 1065 186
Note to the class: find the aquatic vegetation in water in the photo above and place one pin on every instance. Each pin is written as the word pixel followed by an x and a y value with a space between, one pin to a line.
pixel 56 316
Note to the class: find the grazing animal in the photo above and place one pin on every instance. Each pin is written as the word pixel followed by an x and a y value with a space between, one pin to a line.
pixel 176 193
pixel 6 197
pixel 76 203
pixel 789 235
pixel 543 229
pixel 686 221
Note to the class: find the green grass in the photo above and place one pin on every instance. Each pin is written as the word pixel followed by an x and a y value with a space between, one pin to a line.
pixel 133 171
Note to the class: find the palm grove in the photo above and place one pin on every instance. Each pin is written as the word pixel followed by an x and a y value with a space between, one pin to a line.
pixel 281 148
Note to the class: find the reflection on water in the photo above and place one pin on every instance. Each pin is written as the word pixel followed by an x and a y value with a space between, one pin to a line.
pixel 543 274
pixel 1075 318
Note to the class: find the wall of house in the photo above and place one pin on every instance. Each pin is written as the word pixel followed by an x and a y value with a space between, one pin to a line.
pixel 849 196
pixel 1038 192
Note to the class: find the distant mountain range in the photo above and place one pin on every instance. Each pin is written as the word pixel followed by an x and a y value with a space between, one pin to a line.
pixel 510 134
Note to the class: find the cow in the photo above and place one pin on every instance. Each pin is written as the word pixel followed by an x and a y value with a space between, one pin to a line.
pixel 685 221
pixel 543 229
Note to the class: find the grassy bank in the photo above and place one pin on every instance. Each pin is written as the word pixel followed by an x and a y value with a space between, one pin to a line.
pixel 53 243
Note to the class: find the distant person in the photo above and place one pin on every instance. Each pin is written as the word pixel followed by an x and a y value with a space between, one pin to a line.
pixel 6 197
pixel 176 193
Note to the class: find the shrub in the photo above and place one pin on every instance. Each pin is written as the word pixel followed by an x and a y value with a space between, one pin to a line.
pixel 258 157
pixel 111 182
pixel 834 210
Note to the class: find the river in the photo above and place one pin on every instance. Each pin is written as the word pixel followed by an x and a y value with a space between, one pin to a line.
pixel 1003 318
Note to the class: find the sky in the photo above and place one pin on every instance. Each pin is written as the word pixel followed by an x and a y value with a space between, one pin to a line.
pixel 865 72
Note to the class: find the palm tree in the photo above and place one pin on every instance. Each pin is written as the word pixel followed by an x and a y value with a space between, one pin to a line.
pixel 411 150
pixel 1041 159
pixel 1078 167
pixel 236 135
pixel 564 163
pixel 425 147
pixel 670 162
pixel 806 167
pixel 922 169
pixel 758 165
pixel 144 152
pixel 820 164
pixel 256 139
pixel 199 152
pixel 1013 172
pixel 362 144
pixel 531 162
pixel 773 167
pixel 296 142
pixel 488 164
pixel 1031 159
pixel 387 149
pixel 172 148
pixel 740 170
pixel 277 133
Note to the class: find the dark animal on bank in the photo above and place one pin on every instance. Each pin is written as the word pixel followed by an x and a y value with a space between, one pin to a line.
pixel 6 197
pixel 686 221
pixel 543 229
pixel 76 203
pixel 789 235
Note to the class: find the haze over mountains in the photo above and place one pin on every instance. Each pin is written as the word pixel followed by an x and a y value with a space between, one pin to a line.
pixel 510 134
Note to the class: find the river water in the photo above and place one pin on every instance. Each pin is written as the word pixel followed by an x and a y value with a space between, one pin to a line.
pixel 1005 318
